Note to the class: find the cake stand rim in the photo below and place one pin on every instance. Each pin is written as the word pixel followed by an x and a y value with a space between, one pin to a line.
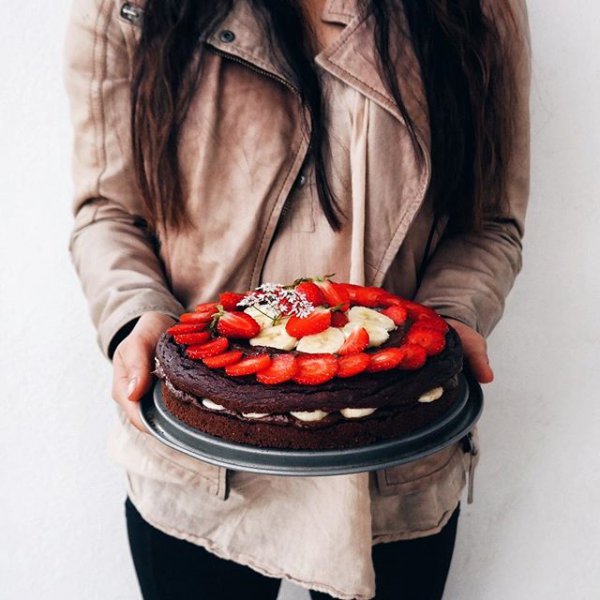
pixel 276 461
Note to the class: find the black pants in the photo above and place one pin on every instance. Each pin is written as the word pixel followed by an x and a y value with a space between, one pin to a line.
pixel 172 569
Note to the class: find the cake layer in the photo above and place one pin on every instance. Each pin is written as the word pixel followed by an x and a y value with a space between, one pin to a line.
pixel 385 423
pixel 368 390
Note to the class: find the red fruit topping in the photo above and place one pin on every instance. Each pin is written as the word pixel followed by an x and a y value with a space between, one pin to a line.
pixel 352 364
pixel 196 317
pixel 237 324
pixel 396 313
pixel 413 357
pixel 206 307
pixel 216 346
pixel 282 368
pixel 186 328
pixel 338 319
pixel 432 341
pixel 230 300
pixel 249 365
pixel 312 292
pixel 437 324
pixel 384 360
pixel 315 369
pixel 418 311
pixel 318 320
pixel 336 295
pixel 222 360
pixel 189 339
pixel 370 297
pixel 357 341
pixel 388 299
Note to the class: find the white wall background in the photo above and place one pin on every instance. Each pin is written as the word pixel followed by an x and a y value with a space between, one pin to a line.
pixel 534 530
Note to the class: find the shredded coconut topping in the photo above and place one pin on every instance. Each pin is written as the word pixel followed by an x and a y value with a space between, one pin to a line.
pixel 274 300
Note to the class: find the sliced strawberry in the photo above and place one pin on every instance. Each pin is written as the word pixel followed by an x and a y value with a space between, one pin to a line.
pixel 384 360
pixel 336 295
pixel 432 341
pixel 413 357
pixel 196 317
pixel 237 324
pixel 396 313
pixel 216 346
pixel 357 341
pixel 418 311
pixel 189 339
pixel 179 328
pixel 230 300
pixel 389 299
pixel 207 309
pixel 282 368
pixel 222 360
pixel 338 318
pixel 315 369
pixel 370 297
pixel 249 365
pixel 352 364
pixel 318 320
pixel 312 292
pixel 437 324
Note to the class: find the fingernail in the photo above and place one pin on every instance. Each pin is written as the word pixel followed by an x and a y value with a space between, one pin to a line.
pixel 131 387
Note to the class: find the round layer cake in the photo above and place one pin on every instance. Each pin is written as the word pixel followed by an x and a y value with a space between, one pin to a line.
pixel 311 365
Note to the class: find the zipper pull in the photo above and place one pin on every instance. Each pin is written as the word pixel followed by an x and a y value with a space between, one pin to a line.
pixel 132 13
pixel 469 446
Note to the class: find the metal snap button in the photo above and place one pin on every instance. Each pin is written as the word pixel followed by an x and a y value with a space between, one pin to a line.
pixel 301 180
pixel 227 36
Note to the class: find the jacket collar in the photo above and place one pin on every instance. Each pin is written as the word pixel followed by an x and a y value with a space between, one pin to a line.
pixel 352 57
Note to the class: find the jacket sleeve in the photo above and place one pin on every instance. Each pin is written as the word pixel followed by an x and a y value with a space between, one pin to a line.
pixel 115 259
pixel 469 275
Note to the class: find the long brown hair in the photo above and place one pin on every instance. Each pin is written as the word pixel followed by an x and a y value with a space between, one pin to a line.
pixel 469 86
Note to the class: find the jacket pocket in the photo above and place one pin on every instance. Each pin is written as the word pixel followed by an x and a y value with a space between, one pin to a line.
pixel 144 455
pixel 417 498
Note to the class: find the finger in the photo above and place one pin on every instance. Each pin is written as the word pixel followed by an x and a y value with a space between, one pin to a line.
pixel 132 412
pixel 480 366
pixel 132 367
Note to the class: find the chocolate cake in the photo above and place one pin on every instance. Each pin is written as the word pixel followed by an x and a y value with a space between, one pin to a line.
pixel 365 366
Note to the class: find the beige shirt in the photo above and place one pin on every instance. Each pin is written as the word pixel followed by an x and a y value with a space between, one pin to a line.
pixel 242 152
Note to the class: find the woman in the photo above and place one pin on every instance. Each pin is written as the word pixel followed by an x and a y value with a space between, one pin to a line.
pixel 221 144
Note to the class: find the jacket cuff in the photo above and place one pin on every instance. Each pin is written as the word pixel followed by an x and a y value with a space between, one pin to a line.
pixel 130 311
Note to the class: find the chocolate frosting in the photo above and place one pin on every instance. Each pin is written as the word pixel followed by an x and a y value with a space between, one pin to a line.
pixel 367 390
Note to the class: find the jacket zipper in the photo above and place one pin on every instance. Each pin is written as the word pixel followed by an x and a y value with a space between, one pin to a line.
pixel 470 447
pixel 288 85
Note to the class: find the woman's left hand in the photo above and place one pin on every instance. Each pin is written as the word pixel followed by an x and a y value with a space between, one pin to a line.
pixel 475 351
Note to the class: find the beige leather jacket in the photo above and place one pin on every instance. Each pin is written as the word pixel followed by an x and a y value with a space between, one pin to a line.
pixel 244 160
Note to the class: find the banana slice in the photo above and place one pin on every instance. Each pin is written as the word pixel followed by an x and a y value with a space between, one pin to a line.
pixel 274 336
pixel 328 341
pixel 431 395
pixel 377 335
pixel 264 317
pixel 212 405
pixel 368 318
pixel 357 413
pixel 309 415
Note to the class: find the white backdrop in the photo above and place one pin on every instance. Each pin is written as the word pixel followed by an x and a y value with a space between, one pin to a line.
pixel 534 530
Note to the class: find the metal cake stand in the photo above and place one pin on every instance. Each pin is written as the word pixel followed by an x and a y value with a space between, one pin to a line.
pixel 241 457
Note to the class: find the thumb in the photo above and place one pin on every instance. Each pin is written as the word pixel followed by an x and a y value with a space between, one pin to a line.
pixel 133 369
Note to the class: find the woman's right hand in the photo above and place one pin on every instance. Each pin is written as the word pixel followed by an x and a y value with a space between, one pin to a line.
pixel 133 363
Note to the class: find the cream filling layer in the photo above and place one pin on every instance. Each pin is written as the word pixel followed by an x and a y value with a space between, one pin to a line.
pixel 317 415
